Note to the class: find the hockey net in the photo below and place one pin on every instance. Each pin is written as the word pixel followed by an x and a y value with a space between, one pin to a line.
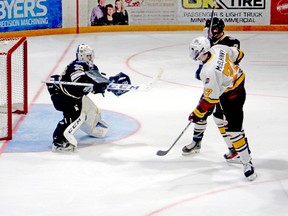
pixel 13 82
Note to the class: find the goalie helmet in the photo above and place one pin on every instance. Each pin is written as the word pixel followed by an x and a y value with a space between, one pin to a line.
pixel 217 27
pixel 85 53
pixel 197 46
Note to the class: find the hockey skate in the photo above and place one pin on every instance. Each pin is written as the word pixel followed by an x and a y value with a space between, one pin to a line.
pixel 232 156
pixel 63 147
pixel 192 148
pixel 249 171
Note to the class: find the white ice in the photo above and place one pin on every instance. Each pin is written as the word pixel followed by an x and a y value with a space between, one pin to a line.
pixel 126 177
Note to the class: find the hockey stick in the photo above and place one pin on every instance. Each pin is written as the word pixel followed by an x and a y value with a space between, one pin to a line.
pixel 115 86
pixel 155 79
pixel 68 83
pixel 110 86
pixel 212 16
pixel 162 153
pixel 129 87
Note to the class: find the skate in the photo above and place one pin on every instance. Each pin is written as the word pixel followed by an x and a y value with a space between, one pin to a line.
pixel 63 147
pixel 249 171
pixel 232 156
pixel 192 148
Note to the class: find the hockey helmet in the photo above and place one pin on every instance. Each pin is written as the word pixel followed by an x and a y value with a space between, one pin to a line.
pixel 217 27
pixel 197 46
pixel 85 53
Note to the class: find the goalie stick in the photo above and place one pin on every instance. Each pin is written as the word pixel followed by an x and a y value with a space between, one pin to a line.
pixel 115 86
pixel 130 87
pixel 162 153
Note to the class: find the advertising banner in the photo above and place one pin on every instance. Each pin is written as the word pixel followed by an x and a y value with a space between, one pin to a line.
pixel 153 12
pixel 233 12
pixel 279 11
pixel 18 15
pixel 183 12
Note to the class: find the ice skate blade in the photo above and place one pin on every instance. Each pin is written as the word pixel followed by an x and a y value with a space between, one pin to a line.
pixel 252 177
pixel 193 152
pixel 63 150
pixel 234 161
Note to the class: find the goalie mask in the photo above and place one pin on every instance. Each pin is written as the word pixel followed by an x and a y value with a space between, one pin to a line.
pixel 85 53
pixel 197 46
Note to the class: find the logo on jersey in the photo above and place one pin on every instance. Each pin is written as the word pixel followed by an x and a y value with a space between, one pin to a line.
pixel 207 92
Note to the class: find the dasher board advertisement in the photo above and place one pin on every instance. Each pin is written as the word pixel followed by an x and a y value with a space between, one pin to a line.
pixel 18 15
pixel 233 12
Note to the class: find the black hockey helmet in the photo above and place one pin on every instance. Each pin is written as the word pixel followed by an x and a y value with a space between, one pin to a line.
pixel 216 23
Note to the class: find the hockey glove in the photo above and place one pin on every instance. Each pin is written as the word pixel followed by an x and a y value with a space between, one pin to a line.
pixel 53 88
pixel 119 78
pixel 99 88
pixel 196 116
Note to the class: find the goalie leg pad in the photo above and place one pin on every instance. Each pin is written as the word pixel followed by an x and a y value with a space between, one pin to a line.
pixel 100 129
pixel 93 125
pixel 72 128
pixel 96 127
pixel 63 136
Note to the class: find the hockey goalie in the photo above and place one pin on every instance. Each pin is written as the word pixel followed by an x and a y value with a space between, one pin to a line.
pixel 79 111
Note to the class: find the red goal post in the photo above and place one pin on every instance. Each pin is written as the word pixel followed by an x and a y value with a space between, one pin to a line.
pixel 13 82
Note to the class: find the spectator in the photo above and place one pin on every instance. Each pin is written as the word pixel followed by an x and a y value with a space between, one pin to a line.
pixel 97 14
pixel 120 16
pixel 109 11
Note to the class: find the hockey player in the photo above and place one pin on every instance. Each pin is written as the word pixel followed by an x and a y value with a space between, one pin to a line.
pixel 79 111
pixel 216 36
pixel 223 82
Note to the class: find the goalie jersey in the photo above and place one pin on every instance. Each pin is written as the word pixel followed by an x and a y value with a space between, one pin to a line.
pixel 79 72
pixel 76 72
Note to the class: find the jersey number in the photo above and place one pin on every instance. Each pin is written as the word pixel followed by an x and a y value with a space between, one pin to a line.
pixel 230 68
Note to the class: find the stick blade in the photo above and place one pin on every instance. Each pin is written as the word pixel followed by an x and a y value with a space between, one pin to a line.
pixel 161 153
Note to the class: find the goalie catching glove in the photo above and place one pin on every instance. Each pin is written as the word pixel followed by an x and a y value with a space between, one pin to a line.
pixel 119 78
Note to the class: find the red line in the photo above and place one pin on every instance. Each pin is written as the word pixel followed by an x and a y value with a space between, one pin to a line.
pixel 77 16
pixel 21 119
pixel 210 193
